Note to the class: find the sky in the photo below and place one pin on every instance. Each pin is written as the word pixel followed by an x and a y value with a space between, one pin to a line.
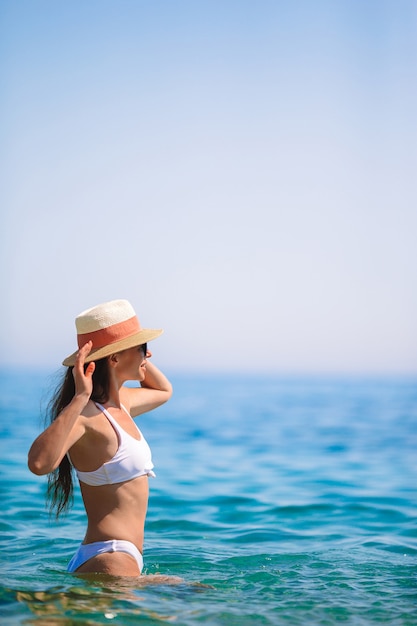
pixel 244 173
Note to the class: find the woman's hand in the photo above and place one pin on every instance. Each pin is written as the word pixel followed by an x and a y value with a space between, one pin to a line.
pixel 83 379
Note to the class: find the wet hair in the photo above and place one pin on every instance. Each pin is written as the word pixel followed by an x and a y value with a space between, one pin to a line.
pixel 60 482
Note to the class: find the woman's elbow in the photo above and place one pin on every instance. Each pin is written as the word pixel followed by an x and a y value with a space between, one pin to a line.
pixel 36 467
pixel 167 394
pixel 164 396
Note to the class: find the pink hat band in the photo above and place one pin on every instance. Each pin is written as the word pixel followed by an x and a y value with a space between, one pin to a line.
pixel 106 336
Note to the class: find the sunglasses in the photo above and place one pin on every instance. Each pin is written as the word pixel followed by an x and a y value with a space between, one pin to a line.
pixel 144 349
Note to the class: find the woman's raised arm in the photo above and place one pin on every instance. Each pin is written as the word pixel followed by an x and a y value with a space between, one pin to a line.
pixel 50 447
pixel 155 390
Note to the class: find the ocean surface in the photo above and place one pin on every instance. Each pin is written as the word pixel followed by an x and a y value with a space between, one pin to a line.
pixel 277 501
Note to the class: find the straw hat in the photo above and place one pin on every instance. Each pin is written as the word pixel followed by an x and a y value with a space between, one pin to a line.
pixel 112 327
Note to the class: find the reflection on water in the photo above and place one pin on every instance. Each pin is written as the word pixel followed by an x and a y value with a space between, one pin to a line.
pixel 103 596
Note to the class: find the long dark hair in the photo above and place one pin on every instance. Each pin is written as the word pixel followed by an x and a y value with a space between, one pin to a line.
pixel 60 481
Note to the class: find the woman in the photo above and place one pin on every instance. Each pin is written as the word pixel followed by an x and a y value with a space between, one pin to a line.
pixel 92 430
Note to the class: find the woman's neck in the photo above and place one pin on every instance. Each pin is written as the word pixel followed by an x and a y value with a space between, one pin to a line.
pixel 114 388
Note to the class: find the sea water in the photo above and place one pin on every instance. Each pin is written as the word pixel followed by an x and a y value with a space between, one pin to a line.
pixel 277 501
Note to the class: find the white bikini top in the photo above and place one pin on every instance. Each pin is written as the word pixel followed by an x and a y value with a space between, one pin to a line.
pixel 133 458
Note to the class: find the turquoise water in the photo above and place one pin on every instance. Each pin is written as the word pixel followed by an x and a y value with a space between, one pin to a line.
pixel 291 501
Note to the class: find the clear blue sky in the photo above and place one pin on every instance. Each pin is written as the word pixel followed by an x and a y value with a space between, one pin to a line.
pixel 243 172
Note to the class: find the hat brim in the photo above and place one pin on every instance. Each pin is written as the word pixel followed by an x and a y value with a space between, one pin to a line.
pixel 143 336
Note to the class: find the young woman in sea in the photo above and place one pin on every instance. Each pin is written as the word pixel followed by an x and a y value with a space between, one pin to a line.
pixel 93 431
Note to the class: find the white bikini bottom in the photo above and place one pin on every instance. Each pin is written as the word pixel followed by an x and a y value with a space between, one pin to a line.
pixel 87 551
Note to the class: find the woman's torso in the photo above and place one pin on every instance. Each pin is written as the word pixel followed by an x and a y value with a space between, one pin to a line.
pixel 109 457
